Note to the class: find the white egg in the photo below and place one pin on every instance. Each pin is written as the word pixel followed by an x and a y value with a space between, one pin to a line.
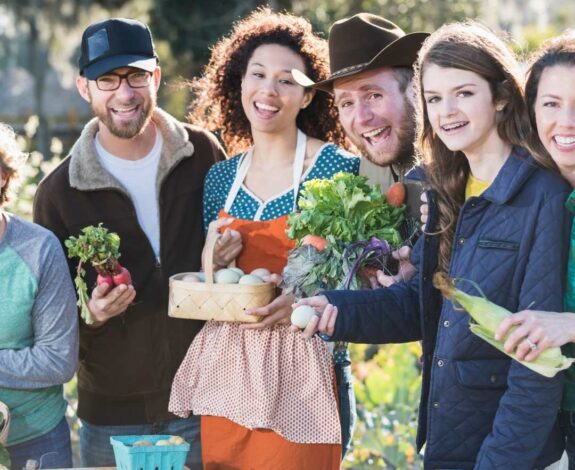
pixel 191 278
pixel 237 270
pixel 301 316
pixel 226 276
pixel 177 440
pixel 202 276
pixel 250 279
pixel 261 272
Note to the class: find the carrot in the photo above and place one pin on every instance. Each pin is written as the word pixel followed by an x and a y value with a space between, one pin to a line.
pixel 396 194
pixel 319 243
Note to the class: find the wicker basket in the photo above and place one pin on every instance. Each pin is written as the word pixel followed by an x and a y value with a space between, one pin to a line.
pixel 210 301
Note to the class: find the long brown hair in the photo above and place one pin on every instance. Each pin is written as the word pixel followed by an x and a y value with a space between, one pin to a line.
pixel 472 47
pixel 217 102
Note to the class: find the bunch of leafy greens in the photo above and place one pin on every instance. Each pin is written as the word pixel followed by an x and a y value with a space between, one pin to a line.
pixel 101 249
pixel 344 210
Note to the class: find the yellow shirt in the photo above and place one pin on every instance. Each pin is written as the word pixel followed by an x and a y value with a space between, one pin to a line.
pixel 474 187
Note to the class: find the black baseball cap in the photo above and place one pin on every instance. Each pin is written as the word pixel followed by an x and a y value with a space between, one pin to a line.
pixel 115 43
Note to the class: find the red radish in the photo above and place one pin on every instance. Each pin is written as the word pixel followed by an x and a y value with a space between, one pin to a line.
pixel 319 243
pixel 123 277
pixel 101 248
pixel 105 279
pixel 396 194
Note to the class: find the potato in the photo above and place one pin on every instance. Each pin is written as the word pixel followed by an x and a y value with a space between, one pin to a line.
pixel 301 316
pixel 142 443
pixel 163 442
pixel 250 279
pixel 226 276
pixel 261 272
pixel 176 440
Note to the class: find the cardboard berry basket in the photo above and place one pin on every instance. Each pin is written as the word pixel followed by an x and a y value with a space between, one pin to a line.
pixel 210 301
pixel 151 457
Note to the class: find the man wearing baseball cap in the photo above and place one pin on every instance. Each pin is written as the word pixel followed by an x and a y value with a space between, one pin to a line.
pixel 139 172
pixel 371 62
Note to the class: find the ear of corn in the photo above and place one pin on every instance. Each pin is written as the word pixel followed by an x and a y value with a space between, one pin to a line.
pixel 486 318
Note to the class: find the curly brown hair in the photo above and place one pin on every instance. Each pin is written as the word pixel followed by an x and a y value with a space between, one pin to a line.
pixel 468 46
pixel 11 159
pixel 216 103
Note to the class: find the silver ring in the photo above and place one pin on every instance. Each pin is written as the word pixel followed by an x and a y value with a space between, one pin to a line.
pixel 531 344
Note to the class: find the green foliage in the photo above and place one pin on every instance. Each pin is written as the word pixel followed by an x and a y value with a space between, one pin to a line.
pixel 101 249
pixel 411 15
pixel 34 169
pixel 96 245
pixel 345 209
pixel 532 39
pixel 387 387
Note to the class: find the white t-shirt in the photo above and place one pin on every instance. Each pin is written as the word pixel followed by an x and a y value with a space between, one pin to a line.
pixel 139 179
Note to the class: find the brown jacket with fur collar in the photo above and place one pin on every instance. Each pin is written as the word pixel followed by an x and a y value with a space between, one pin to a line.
pixel 127 365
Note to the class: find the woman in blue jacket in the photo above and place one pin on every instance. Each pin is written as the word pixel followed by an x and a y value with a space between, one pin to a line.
pixel 497 218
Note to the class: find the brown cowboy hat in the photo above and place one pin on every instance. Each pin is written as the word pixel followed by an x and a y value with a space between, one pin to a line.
pixel 365 42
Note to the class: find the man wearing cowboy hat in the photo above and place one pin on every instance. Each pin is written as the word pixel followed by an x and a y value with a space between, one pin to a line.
pixel 371 70
pixel 371 62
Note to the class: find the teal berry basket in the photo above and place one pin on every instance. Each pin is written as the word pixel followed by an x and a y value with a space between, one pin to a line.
pixel 169 457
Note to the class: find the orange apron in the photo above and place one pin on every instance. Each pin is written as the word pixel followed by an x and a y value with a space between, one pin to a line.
pixel 265 243
pixel 230 446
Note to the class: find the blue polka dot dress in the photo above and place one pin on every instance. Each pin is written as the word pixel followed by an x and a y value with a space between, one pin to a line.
pixel 329 160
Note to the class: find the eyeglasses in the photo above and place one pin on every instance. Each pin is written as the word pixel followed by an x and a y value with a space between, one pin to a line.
pixel 112 81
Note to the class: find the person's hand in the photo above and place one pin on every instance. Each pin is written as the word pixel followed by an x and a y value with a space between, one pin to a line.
pixel 106 303
pixel 277 311
pixel 229 244
pixel 423 210
pixel 535 332
pixel 405 272
pixel 323 321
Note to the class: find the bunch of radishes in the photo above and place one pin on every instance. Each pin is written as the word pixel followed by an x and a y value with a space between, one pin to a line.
pixel 100 248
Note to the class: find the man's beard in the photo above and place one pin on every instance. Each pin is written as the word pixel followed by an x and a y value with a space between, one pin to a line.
pixel 130 129
pixel 404 157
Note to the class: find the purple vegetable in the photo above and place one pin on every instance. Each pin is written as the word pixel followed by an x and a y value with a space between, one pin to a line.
pixel 374 249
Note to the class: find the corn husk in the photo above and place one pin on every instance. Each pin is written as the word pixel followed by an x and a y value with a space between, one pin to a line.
pixel 486 317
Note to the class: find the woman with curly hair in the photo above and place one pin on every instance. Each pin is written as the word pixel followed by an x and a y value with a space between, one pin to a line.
pixel 266 396
pixel 496 219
